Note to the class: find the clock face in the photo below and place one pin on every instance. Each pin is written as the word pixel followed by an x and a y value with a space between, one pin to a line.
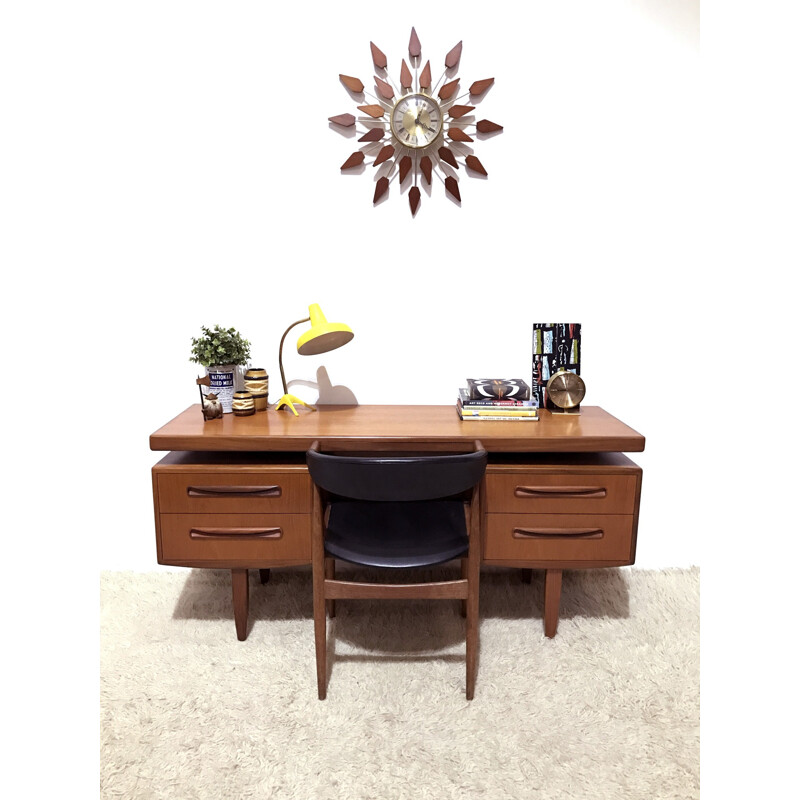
pixel 416 121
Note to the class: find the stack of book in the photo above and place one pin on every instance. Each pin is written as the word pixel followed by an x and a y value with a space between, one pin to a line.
pixel 496 399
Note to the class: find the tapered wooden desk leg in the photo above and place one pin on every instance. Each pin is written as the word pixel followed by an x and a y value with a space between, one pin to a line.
pixel 552 599
pixel 264 575
pixel 241 602
pixel 330 574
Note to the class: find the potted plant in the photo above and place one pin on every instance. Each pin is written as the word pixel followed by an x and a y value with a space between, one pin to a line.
pixel 224 354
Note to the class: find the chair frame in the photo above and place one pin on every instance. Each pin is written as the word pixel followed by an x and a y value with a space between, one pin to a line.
pixel 327 589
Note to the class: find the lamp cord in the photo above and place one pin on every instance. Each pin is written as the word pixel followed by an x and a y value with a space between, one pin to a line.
pixel 280 351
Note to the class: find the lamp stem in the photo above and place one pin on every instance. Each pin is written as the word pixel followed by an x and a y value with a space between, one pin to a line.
pixel 280 351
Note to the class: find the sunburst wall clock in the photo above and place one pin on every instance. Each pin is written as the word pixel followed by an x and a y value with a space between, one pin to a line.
pixel 417 132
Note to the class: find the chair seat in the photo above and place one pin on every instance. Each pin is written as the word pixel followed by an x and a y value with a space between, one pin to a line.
pixel 403 534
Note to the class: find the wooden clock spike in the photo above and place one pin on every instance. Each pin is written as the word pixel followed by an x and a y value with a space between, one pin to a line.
pixel 414 47
pixel 345 120
pixel 355 160
pixel 373 110
pixel 458 111
pixel 378 58
pixel 448 157
pixel 451 184
pixel 479 87
pixel 426 165
pixel 353 84
pixel 484 126
pixel 405 76
pixel 385 154
pixel 381 187
pixel 405 166
pixel 373 135
pixel 413 199
pixel 384 90
pixel 454 56
pixel 447 91
pixel 457 135
pixel 425 77
pixel 475 165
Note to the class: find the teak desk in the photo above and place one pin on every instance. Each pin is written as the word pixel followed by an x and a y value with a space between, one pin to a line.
pixel 235 493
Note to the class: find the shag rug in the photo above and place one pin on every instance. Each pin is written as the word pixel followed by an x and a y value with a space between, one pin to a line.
pixel 609 708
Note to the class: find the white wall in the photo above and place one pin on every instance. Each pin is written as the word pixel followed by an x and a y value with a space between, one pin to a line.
pixel 194 180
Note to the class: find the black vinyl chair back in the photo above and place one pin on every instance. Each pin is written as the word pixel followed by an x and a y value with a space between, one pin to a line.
pixel 396 478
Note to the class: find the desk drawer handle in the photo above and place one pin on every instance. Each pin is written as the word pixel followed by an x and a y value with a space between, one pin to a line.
pixel 228 533
pixel 557 533
pixel 234 491
pixel 561 491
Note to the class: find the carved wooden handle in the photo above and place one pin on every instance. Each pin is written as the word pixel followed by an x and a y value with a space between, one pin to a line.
pixel 234 491
pixel 557 533
pixel 561 491
pixel 227 533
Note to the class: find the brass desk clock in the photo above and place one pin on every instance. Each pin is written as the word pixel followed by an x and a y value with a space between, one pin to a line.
pixel 565 390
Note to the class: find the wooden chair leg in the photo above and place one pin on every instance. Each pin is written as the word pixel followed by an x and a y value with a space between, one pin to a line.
pixel 552 599
pixel 330 574
pixel 473 595
pixel 464 563
pixel 241 601
pixel 264 575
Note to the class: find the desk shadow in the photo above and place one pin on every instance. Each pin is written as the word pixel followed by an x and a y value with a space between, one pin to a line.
pixel 598 593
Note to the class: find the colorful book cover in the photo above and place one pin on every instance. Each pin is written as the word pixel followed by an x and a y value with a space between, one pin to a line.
pixel 555 345
pixel 501 388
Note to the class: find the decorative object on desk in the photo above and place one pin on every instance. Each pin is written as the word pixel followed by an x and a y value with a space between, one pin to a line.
pixel 497 408
pixel 209 404
pixel 555 345
pixel 565 390
pixel 223 352
pixel 256 381
pixel 322 337
pixel 409 130
pixel 498 388
pixel 243 404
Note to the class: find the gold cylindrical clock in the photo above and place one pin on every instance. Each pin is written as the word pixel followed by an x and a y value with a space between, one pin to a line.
pixel 566 390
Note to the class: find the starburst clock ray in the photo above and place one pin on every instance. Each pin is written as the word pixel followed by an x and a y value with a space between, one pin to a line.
pixel 413 128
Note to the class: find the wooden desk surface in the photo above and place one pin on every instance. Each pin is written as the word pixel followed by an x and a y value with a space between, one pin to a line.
pixel 375 427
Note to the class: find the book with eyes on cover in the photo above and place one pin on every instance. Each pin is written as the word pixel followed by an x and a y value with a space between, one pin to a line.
pixel 498 389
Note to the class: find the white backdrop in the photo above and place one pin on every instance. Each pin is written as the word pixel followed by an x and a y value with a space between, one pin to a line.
pixel 197 182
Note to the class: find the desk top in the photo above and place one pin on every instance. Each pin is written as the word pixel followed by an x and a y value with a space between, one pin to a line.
pixel 412 427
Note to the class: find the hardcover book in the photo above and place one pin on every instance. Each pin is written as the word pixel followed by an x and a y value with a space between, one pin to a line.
pixel 490 402
pixel 499 388
pixel 555 345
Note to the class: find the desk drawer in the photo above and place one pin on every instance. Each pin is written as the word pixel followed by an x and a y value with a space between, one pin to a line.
pixel 559 537
pixel 560 493
pixel 212 492
pixel 247 538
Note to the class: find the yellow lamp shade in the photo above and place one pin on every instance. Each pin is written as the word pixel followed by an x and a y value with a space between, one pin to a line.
pixel 323 335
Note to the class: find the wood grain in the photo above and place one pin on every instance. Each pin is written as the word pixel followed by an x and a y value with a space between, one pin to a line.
pixel 385 154
pixel 373 135
pixel 354 160
pixel 381 187
pixel 448 156
pixel 353 84
pixel 413 199
pixel 384 89
pixel 378 57
pixel 458 135
pixel 485 126
pixel 405 166
pixel 473 162
pixel 373 110
pixel 448 90
pixel 426 165
pixel 345 120
pixel 479 87
pixel 458 111
pixel 453 57
pixel 406 80
pixel 425 76
pixel 451 185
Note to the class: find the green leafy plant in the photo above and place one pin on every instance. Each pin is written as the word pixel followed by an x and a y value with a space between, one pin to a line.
pixel 219 346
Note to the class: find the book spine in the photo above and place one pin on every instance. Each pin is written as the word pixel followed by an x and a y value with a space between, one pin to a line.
pixel 497 418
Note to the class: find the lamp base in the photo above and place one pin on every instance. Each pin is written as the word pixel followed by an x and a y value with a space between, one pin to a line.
pixel 289 400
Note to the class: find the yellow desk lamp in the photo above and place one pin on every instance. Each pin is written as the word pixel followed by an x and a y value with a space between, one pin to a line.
pixel 320 338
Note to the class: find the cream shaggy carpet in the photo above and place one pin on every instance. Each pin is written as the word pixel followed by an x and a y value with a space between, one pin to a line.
pixel 608 709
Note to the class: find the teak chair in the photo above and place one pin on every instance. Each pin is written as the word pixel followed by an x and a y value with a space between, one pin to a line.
pixel 393 512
